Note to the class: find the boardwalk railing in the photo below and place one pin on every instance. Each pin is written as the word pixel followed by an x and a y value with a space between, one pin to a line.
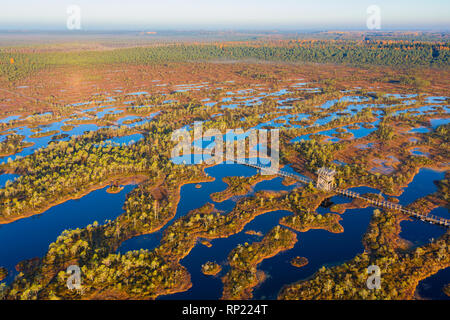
pixel 351 194
pixel 394 206
pixel 276 172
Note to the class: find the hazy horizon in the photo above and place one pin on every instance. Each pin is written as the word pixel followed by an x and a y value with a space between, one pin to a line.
pixel 233 15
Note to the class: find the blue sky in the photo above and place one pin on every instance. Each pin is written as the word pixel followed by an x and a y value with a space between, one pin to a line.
pixel 229 14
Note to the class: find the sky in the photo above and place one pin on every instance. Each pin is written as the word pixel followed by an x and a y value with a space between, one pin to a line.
pixel 224 14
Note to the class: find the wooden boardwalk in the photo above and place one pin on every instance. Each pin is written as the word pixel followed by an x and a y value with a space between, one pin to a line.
pixel 395 206
pixel 351 194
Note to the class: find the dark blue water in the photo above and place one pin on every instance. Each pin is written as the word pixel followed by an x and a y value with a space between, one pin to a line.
pixel 364 189
pixel 336 249
pixel 438 122
pixel 7 177
pixel 80 129
pixel 419 130
pixel 417 152
pixel 106 111
pixel 431 287
pixel 422 185
pixel 324 248
pixel 30 237
pixel 193 198
pixel 361 132
pixel 319 246
pixel 8 119
pixel 211 287
pixel 418 232
pixel 127 140
pixel 43 142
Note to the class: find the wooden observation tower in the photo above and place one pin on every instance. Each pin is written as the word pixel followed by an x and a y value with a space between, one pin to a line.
pixel 325 179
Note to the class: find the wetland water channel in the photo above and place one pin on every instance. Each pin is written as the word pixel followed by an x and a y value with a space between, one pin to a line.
pixel 30 237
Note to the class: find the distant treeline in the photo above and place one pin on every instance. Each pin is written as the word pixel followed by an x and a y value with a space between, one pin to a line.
pixel 16 63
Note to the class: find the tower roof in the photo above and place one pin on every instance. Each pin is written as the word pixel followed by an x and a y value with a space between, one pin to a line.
pixel 326 171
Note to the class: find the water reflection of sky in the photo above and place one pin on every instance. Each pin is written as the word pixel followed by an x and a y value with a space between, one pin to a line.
pixel 31 236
